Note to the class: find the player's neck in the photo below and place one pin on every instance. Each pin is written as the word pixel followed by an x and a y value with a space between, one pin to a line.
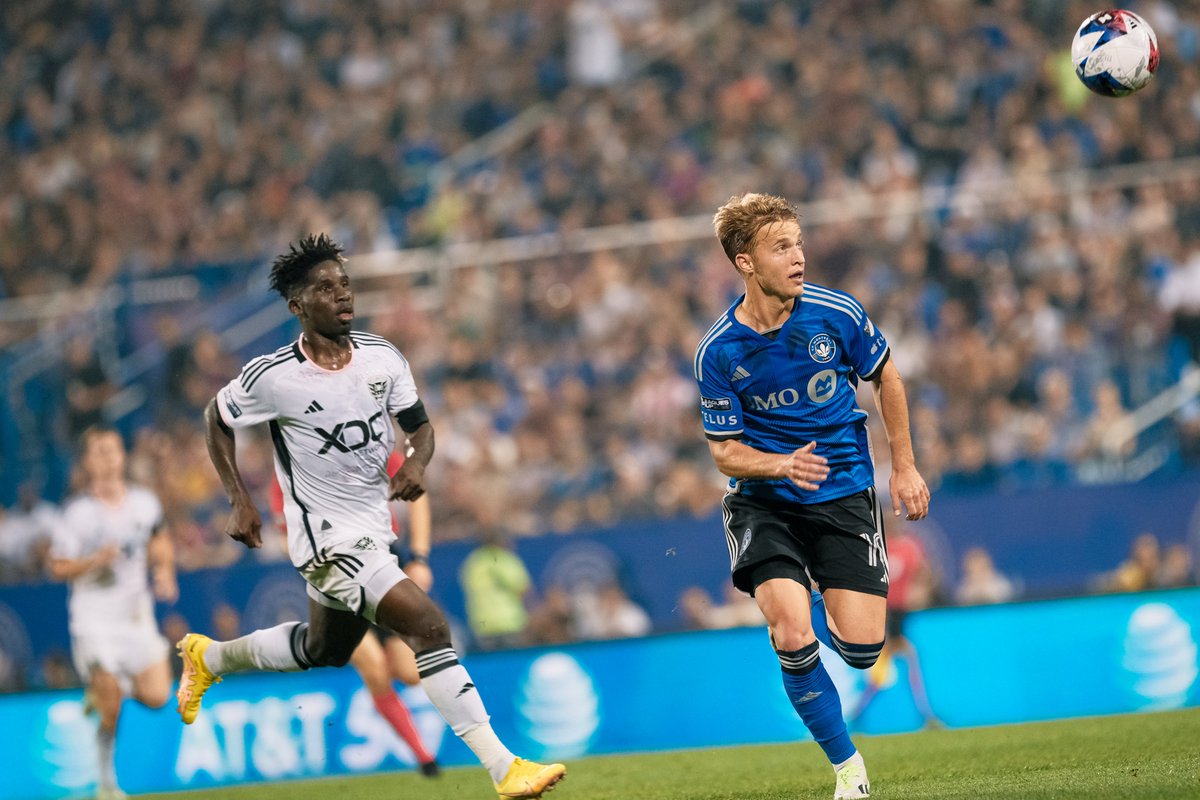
pixel 326 353
pixel 763 312
pixel 111 492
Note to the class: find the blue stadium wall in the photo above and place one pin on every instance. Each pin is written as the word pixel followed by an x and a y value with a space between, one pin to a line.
pixel 1055 542
pixel 983 666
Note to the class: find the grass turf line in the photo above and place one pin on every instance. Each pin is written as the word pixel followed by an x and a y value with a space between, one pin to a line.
pixel 1127 757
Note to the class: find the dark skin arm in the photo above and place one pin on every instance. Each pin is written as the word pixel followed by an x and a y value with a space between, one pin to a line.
pixel 244 523
pixel 409 481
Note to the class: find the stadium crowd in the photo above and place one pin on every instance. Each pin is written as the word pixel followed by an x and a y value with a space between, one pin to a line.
pixel 1027 315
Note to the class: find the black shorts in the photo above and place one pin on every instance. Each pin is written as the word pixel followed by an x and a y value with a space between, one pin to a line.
pixel 839 543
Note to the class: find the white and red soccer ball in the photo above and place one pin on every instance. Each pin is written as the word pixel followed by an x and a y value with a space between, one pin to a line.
pixel 1115 53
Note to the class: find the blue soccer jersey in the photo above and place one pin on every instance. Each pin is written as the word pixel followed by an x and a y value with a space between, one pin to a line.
pixel 778 391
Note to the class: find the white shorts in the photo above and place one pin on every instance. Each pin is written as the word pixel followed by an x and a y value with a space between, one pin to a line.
pixel 125 650
pixel 354 575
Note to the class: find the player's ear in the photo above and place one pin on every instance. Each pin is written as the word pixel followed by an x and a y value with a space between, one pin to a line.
pixel 294 305
pixel 743 264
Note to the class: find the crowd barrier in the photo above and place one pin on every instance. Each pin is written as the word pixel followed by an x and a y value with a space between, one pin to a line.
pixel 982 666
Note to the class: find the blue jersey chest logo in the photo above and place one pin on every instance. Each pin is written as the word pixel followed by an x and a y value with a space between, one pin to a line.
pixel 822 348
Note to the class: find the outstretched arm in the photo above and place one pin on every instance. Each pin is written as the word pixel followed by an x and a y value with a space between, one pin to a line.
pixel 907 485
pixel 802 467
pixel 245 523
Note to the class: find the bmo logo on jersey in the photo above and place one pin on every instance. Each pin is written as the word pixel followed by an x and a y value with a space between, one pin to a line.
pixel 820 390
pixel 352 435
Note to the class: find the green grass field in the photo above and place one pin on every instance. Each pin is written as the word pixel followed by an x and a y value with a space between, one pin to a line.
pixel 1138 757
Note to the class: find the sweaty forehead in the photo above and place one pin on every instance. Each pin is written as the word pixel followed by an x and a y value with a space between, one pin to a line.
pixel 780 229
pixel 326 271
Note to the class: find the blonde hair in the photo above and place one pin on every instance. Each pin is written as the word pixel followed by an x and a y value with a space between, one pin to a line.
pixel 739 221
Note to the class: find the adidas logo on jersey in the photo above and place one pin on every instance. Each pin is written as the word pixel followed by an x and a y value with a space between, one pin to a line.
pixel 313 407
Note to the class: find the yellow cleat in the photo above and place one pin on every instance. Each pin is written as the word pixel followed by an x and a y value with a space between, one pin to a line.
pixel 196 678
pixel 529 779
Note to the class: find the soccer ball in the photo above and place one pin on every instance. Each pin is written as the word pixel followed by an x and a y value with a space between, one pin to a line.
pixel 1115 53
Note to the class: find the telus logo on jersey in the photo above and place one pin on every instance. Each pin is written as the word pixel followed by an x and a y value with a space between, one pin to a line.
pixel 351 435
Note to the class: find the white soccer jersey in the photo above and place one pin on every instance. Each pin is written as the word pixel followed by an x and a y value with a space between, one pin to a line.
pixel 120 593
pixel 332 432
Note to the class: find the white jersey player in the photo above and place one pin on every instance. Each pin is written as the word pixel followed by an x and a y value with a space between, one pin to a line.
pixel 110 541
pixel 330 400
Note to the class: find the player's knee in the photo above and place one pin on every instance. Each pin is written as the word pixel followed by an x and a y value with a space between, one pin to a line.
pixel 792 636
pixel 327 654
pixel 859 656
pixel 154 698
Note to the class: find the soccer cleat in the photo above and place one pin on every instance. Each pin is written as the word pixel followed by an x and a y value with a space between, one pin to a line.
pixel 852 780
pixel 196 678
pixel 430 769
pixel 529 779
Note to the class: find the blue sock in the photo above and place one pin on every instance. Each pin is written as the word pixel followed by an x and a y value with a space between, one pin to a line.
pixel 820 624
pixel 816 700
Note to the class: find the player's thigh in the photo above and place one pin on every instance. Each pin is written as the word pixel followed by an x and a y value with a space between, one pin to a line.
pixel 152 686
pixel 370 662
pixel 333 634
pixel 402 661
pixel 409 612
pixel 106 694
pixel 857 617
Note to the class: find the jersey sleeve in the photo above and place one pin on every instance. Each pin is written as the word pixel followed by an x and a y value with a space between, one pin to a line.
pixel 720 408
pixel 249 398
pixel 866 347
pixel 65 539
pixel 404 388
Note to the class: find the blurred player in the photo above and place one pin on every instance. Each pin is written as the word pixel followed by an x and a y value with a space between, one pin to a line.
pixel 778 374
pixel 110 540
pixel 382 657
pixel 330 399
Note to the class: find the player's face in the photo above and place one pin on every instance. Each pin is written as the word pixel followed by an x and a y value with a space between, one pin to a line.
pixel 326 303
pixel 104 456
pixel 777 260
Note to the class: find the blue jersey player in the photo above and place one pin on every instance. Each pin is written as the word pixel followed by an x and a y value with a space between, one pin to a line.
pixel 778 375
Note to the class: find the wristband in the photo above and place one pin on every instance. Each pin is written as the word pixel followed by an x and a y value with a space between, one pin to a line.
pixel 419 558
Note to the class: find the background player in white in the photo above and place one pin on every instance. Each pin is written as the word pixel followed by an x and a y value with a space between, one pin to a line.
pixel 329 399
pixel 110 540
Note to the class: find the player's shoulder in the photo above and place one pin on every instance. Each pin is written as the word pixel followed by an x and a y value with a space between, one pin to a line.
pixel 375 346
pixel 78 503
pixel 721 334
pixel 832 302
pixel 270 365
pixel 142 496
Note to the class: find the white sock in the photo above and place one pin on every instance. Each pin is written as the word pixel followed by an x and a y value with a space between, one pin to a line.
pixel 452 692
pixel 106 747
pixel 857 757
pixel 278 649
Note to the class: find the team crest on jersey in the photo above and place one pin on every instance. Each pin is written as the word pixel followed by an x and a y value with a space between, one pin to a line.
pixel 822 348
pixel 378 387
pixel 365 543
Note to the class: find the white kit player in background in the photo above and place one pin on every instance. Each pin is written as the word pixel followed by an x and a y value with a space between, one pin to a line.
pixel 330 399
pixel 111 546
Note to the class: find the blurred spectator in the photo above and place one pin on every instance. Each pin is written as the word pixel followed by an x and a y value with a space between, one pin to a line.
pixel 1176 569
pixel 981 582
pixel 609 613
pixel 495 583
pixel 87 387
pixel 25 532
pixel 552 621
pixel 700 612
pixel 1138 572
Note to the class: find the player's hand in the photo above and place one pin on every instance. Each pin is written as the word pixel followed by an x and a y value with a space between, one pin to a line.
pixel 105 556
pixel 805 468
pixel 908 487
pixel 420 574
pixel 245 525
pixel 408 483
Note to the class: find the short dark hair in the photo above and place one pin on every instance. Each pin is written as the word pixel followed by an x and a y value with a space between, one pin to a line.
pixel 290 270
